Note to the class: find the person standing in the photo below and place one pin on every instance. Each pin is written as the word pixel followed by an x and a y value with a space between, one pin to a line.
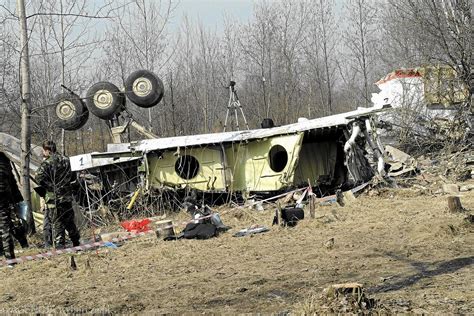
pixel 56 177
pixel 9 195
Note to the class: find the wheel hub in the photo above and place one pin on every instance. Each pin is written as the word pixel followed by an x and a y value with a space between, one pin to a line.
pixel 142 87
pixel 103 99
pixel 65 110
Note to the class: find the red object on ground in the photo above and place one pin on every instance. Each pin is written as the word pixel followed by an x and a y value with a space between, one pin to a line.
pixel 136 226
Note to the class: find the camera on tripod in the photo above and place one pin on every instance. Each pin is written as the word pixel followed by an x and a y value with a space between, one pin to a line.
pixel 234 106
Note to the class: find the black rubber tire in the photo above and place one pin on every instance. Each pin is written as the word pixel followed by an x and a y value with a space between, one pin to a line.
pixel 71 113
pixel 105 100
pixel 84 117
pixel 151 85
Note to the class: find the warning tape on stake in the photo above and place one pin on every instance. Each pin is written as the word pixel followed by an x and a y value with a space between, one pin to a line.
pixel 92 245
pixel 57 252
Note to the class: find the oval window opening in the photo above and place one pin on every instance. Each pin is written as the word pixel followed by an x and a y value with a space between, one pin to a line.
pixel 278 158
pixel 187 167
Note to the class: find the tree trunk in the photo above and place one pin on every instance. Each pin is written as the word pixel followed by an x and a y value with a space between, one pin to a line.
pixel 25 112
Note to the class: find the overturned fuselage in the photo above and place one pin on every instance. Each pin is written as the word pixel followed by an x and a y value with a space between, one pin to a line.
pixel 328 153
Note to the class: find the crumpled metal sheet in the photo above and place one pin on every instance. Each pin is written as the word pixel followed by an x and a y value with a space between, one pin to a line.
pixel 400 162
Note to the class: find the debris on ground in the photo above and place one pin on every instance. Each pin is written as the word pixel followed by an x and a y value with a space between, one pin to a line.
pixel 111 245
pixel 450 188
pixel 107 237
pixel 457 166
pixel 469 219
pixel 254 229
pixel 400 163
pixel 342 298
pixel 290 215
pixel 466 188
pixel 329 244
pixel 164 228
pixel 440 172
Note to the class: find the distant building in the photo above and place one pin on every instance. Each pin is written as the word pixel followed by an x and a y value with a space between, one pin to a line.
pixel 433 91
pixel 425 102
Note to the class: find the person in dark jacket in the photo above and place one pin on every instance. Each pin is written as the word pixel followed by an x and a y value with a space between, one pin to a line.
pixel 56 177
pixel 9 195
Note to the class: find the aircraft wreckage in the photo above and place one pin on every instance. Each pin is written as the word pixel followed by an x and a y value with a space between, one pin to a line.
pixel 330 153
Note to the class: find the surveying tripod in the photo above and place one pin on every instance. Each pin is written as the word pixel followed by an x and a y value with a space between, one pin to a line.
pixel 234 104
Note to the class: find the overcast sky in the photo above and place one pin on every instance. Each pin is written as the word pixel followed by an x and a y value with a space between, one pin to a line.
pixel 211 12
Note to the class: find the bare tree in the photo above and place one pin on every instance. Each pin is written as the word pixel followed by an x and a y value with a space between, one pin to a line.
pixel 9 94
pixel 138 38
pixel 443 30
pixel 361 41
pixel 25 104
pixel 320 48
pixel 63 54
pixel 272 45
pixel 257 45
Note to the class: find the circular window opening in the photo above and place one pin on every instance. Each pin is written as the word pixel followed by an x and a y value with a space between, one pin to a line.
pixel 187 167
pixel 278 158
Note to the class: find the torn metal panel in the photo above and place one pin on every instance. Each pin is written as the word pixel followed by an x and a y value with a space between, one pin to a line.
pixel 400 162
pixel 95 160
pixel 11 147
pixel 263 165
pixel 358 166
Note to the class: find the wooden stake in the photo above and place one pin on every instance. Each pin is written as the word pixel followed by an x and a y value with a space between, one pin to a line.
pixel 312 207
pixel 454 204
pixel 311 202
pixel 277 214
pixel 73 264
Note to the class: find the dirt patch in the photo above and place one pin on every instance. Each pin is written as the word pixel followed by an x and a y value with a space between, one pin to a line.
pixel 408 252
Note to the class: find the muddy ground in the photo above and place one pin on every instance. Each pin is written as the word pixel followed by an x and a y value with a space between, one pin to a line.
pixel 407 250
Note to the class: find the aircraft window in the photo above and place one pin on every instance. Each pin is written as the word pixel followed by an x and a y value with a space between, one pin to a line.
pixel 187 167
pixel 278 158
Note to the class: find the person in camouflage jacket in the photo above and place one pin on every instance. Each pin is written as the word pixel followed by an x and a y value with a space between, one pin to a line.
pixel 56 177
pixel 9 195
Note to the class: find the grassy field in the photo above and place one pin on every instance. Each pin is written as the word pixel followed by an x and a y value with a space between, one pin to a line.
pixel 407 250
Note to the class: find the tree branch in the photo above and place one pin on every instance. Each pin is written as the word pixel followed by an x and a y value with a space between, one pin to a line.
pixel 70 14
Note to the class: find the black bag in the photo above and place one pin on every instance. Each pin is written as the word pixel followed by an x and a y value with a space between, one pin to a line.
pixel 291 216
pixel 267 123
pixel 199 231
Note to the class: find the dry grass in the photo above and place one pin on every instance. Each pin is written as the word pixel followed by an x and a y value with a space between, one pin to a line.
pixel 409 253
